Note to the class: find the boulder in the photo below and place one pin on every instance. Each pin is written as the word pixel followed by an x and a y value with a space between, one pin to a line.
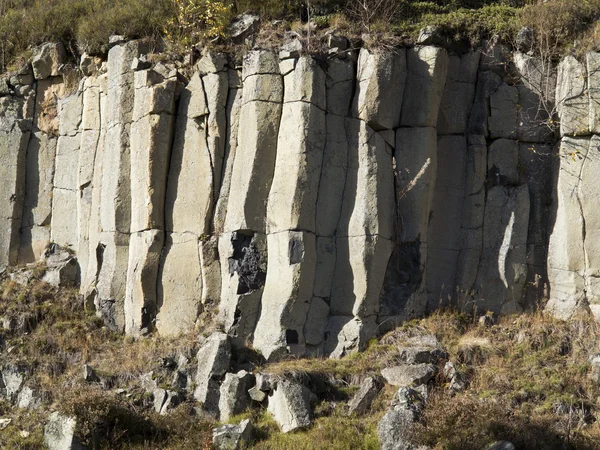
pixel 12 382
pixel 214 358
pixel 89 374
pixel 408 374
pixel 395 428
pixel 234 398
pixel 233 437
pixel 418 355
pixel 290 405
pixel 502 445
pixel 362 400
pixel 243 27
pixel 47 59
pixel 59 433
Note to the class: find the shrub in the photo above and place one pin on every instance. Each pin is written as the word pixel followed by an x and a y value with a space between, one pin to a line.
pixel 195 21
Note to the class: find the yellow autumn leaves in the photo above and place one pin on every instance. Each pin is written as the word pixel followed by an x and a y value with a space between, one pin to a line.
pixel 198 20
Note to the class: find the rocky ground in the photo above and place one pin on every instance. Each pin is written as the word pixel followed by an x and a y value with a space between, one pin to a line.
pixel 450 381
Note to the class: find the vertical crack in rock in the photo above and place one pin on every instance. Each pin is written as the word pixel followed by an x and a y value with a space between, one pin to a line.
pixel 252 176
pixel 151 137
pixel 291 211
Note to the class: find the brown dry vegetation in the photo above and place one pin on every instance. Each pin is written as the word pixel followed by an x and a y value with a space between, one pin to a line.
pixel 176 25
pixel 529 381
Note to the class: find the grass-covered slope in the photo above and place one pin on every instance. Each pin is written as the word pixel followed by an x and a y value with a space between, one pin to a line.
pixel 530 379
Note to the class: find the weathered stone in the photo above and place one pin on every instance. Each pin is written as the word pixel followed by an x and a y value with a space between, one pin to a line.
pixel 232 437
pixel 13 378
pixel 347 334
pixel 257 147
pixel 445 221
pixel 503 270
pixel 380 88
pixel 216 88
pixel 59 433
pixel 567 261
pixel 487 84
pixel 234 398
pixel 256 394
pixel 420 355
pixel 245 255
pixel 13 150
pixel 47 60
pixel 259 62
pixel 503 117
pixel 287 294
pixel 150 146
pixel 89 374
pixel 394 430
pixel 89 65
pixel 140 296
pixel 316 320
pixel 572 101
pixel 408 374
pixel 362 400
pixel 234 104
pixel 211 62
pixel 458 95
pixel 503 162
pixel 416 169
pixel 28 399
pixel 340 86
pixel 290 405
pixel 243 27
pixel 502 445
pixel 214 358
pixel 426 75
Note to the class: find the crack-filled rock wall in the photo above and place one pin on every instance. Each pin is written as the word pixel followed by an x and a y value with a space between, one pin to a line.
pixel 305 203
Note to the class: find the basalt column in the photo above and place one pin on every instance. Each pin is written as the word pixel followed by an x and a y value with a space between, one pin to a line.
pixel 291 209
pixel 150 144
pixel 242 244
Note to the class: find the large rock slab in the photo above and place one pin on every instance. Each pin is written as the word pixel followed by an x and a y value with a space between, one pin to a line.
pixel 214 358
pixel 244 261
pixel 254 163
pixel 287 294
pixel 179 288
pixel 572 101
pixel 290 405
pixel 444 234
pixel 459 93
pixel 234 398
pixel 60 433
pixel 427 67
pixel 380 82
pixel 47 60
pixel 64 202
pixel 14 137
pixel 150 146
pixel 567 248
pixel 140 296
pixel 503 265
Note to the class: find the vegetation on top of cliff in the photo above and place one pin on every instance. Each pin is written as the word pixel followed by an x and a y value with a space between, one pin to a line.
pixel 85 25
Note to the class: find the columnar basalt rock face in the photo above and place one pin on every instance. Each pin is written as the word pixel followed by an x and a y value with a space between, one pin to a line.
pixel 306 204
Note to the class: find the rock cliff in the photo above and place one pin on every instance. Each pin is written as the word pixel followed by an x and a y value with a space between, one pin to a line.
pixel 308 203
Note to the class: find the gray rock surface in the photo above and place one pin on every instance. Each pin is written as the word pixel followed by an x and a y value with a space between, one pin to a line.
pixel 59 433
pixel 233 437
pixel 408 374
pixel 290 405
